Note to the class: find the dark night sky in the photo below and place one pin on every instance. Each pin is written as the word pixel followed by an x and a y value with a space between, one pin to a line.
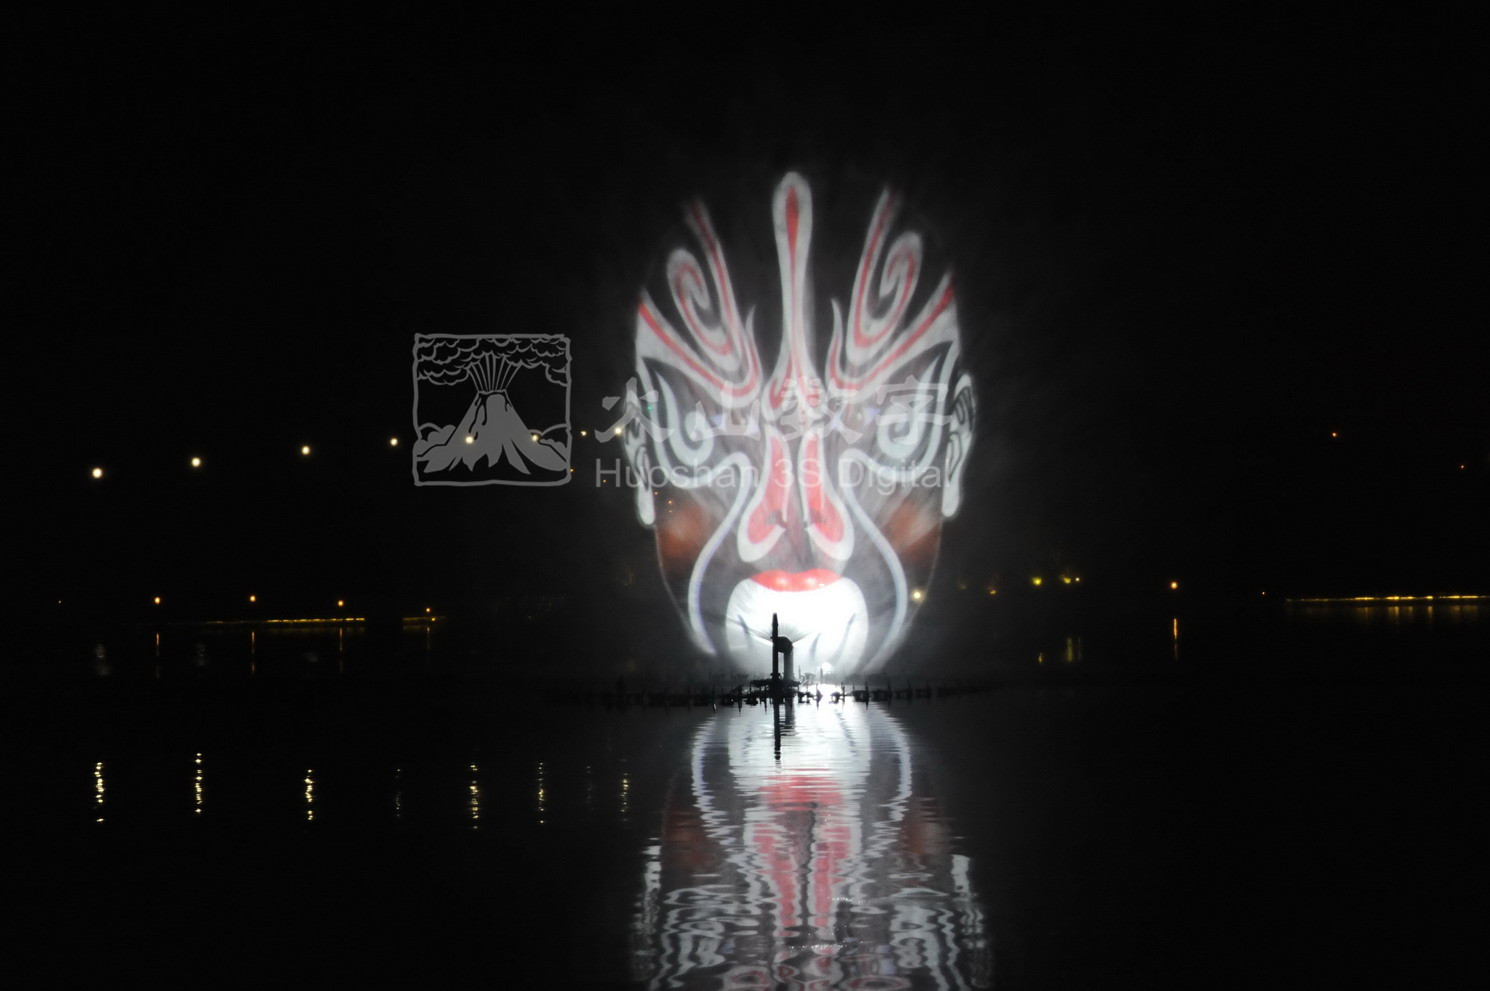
pixel 1187 249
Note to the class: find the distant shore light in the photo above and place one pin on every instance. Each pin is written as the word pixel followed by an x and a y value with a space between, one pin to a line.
pixel 340 603
pixel 97 473
pixel 392 441
pixel 305 449
pixel 157 600
pixel 253 598
pixel 1174 586
pixel 196 462
pixel 1037 581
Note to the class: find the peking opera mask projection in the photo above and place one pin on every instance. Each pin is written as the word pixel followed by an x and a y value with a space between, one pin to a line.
pixel 808 479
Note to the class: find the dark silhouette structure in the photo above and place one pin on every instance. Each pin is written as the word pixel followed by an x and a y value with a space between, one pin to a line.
pixel 783 672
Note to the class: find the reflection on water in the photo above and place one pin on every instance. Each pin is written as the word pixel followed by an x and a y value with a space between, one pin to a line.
pixel 1395 610
pixel 197 786
pixel 475 799
pixel 542 795
pixel 98 789
pixel 625 805
pixel 404 797
pixel 827 866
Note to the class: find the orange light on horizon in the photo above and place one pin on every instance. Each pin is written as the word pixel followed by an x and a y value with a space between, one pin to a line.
pixel 1393 598
pixel 305 450
pixel 157 600
pixel 253 598
pixel 196 462
pixel 97 473
pixel 1174 586
pixel 392 441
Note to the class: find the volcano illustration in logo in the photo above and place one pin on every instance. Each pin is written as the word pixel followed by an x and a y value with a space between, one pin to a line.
pixel 473 428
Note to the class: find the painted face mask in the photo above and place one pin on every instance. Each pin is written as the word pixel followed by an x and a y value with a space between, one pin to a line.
pixel 810 483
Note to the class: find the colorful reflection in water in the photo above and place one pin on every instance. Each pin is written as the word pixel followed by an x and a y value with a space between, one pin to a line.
pixel 801 851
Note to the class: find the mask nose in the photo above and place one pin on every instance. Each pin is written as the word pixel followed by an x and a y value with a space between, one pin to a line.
pixel 796 498
pixel 776 509
pixel 815 489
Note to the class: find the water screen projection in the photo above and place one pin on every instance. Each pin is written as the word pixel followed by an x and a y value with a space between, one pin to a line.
pixel 810 482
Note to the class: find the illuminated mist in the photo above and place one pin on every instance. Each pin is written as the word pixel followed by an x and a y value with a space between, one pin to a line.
pixel 811 485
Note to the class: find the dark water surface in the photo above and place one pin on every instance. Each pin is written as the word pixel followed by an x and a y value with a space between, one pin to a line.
pixel 1169 803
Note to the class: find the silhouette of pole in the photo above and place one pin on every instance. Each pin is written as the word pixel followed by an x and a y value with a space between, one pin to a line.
pixel 775 645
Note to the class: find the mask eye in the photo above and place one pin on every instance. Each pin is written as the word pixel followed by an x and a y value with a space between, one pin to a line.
pixel 690 435
pixel 909 426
